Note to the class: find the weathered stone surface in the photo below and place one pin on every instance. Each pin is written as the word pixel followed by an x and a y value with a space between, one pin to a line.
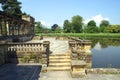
pixel 104 71
pixel 78 73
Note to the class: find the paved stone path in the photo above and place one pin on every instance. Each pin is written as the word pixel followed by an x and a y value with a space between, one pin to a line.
pixel 65 75
pixel 57 46
pixel 19 72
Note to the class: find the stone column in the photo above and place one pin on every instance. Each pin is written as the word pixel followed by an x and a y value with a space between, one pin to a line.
pixel 0 27
pixel 45 56
pixel 3 52
pixel 7 27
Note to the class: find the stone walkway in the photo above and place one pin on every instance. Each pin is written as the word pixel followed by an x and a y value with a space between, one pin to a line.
pixel 57 46
pixel 20 71
pixel 65 75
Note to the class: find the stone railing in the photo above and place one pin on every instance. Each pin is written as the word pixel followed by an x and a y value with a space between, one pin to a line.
pixel 81 57
pixel 79 45
pixel 25 47
pixel 25 52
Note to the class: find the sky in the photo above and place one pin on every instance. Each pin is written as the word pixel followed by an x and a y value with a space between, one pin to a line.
pixel 51 12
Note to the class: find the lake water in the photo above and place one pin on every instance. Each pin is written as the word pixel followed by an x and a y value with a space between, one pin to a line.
pixel 105 53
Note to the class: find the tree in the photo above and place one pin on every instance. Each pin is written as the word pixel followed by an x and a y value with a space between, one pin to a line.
pixel 77 22
pixel 91 27
pixel 2 1
pixel 38 27
pixel 54 27
pixel 67 26
pixel 103 25
pixel 58 30
pixel 12 7
pixel 113 29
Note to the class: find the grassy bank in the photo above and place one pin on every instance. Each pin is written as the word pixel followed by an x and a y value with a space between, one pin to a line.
pixel 100 35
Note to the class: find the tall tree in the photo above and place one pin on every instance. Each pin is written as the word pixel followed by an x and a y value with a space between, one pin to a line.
pixel 67 26
pixel 2 1
pixel 91 27
pixel 54 27
pixel 12 7
pixel 103 25
pixel 38 27
pixel 77 22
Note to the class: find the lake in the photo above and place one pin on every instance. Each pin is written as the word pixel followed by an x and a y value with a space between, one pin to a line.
pixel 105 53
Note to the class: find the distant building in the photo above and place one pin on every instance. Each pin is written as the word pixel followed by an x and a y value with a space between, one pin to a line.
pixel 16 27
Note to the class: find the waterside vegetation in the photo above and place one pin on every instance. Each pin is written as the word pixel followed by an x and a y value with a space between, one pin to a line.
pixel 83 35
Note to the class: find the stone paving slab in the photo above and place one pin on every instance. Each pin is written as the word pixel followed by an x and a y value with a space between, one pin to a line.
pixel 65 75
pixel 19 72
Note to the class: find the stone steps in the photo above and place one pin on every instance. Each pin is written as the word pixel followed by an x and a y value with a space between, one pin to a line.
pixel 59 62
pixel 66 68
pixel 59 56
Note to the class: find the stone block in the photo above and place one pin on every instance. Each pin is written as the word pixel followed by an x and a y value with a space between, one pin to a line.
pixel 78 73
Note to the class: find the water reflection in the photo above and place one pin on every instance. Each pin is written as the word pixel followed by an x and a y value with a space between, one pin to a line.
pixel 97 46
pixel 105 42
pixel 105 52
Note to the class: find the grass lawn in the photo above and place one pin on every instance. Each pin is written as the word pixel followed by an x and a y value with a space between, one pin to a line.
pixel 102 35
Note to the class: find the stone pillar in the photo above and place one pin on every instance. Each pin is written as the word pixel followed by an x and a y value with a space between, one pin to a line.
pixel 81 57
pixel 72 45
pixel 0 27
pixel 45 55
pixel 3 52
pixel 87 46
pixel 7 27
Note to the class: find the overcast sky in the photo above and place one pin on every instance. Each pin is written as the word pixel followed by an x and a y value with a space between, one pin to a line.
pixel 51 12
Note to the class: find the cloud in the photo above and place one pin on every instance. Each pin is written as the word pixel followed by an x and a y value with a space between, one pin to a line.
pixel 98 47
pixel 98 18
pixel 45 23
pixel 48 25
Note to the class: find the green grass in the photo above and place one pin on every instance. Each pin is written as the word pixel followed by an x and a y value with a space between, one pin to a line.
pixel 100 35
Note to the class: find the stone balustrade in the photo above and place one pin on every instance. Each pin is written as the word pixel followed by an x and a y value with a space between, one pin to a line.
pixel 25 53
pixel 81 57
pixel 25 47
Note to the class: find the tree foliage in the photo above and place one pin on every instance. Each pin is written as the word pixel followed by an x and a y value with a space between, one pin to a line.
pixel 58 30
pixel 12 7
pixel 91 27
pixel 54 27
pixel 113 29
pixel 38 27
pixel 67 26
pixel 77 22
pixel 103 25
pixel 2 1
pixel 75 26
